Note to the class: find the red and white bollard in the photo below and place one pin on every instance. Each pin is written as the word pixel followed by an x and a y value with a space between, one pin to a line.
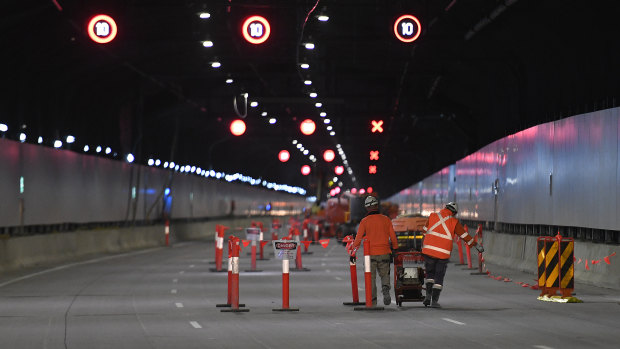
pixel 480 256
pixel 219 248
pixel 167 232
pixel 253 258
pixel 298 263
pixel 234 292
pixel 316 233
pixel 285 287
pixel 354 292
pixel 459 244
pixel 231 240
pixel 367 280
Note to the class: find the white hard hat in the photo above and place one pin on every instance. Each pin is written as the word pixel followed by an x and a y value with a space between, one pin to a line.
pixel 452 206
pixel 371 201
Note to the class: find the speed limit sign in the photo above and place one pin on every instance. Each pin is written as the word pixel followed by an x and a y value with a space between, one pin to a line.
pixel 407 28
pixel 102 29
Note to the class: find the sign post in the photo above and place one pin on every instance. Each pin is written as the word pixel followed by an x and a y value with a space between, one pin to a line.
pixel 286 250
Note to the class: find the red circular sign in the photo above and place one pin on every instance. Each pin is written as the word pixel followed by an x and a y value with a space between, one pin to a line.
pixel 102 29
pixel 407 28
pixel 256 30
pixel 284 155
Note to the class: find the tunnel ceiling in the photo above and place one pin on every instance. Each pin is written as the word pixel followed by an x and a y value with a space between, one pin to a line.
pixel 480 70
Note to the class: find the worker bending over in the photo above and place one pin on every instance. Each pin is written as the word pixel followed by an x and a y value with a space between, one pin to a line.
pixel 377 228
pixel 440 229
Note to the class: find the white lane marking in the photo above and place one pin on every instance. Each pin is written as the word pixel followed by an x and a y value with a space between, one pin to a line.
pixel 338 278
pixel 542 347
pixel 191 266
pixel 175 280
pixel 25 277
pixel 453 321
pixel 323 264
pixel 173 291
pixel 182 272
pixel 195 324
pixel 179 305
pixel 328 271
pixel 360 289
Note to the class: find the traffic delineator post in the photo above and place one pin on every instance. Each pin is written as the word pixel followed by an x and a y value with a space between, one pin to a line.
pixel 253 258
pixel 262 246
pixel 285 288
pixel 459 244
pixel 234 294
pixel 468 253
pixel 306 245
pixel 316 232
pixel 231 240
pixel 367 280
pixel 217 231
pixel 167 231
pixel 298 262
pixel 354 292
pixel 480 256
pixel 219 248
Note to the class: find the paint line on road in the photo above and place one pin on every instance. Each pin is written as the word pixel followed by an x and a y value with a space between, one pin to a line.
pixel 542 347
pixel 182 272
pixel 175 280
pixel 195 324
pixel 328 271
pixel 338 278
pixel 179 305
pixel 323 264
pixel 173 291
pixel 453 321
pixel 192 265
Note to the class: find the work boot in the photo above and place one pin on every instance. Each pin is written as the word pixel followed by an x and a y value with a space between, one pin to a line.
pixel 429 292
pixel 436 293
pixel 387 300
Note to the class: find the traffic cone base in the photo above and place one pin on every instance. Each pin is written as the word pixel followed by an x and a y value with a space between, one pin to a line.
pixel 368 308
pixel 235 310
pixel 227 305
pixel 353 303
pixel 286 309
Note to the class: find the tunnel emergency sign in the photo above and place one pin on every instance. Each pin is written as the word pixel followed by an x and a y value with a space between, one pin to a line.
pixel 256 29
pixel 285 249
pixel 102 29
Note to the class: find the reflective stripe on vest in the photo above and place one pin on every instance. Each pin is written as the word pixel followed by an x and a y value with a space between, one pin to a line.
pixel 438 238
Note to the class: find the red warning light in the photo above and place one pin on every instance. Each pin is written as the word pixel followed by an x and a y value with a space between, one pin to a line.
pixel 407 28
pixel 372 169
pixel 102 29
pixel 374 155
pixel 305 170
pixel 307 127
pixel 329 155
pixel 256 30
pixel 377 126
pixel 284 155
pixel 369 190
pixel 339 170
pixel 353 191
pixel 362 191
pixel 237 127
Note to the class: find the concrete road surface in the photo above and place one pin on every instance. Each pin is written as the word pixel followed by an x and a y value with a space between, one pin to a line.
pixel 166 297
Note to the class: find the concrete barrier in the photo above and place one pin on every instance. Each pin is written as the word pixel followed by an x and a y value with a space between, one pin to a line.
pixel 519 252
pixel 54 248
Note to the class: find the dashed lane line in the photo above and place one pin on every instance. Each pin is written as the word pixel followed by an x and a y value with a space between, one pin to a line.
pixel 175 280
pixel 453 321
pixel 191 266
pixel 338 278
pixel 195 324
pixel 179 305
pixel 542 347
pixel 173 291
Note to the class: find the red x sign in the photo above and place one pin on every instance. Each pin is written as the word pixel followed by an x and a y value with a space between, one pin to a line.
pixel 374 155
pixel 377 126
pixel 372 169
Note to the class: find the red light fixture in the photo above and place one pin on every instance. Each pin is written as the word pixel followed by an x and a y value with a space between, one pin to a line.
pixel 284 155
pixel 329 155
pixel 305 170
pixel 369 190
pixel 362 191
pixel 237 127
pixel 256 29
pixel 339 170
pixel 353 191
pixel 377 126
pixel 307 127
pixel 102 29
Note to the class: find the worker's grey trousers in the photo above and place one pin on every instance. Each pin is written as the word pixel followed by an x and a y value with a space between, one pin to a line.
pixel 380 263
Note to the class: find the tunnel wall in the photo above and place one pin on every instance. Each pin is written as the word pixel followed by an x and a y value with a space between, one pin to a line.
pixel 559 176
pixel 46 186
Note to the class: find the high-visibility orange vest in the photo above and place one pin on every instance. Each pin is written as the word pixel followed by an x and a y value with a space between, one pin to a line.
pixel 438 238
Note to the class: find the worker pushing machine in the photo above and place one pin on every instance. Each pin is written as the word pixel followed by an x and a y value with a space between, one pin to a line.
pixel 377 228
pixel 440 229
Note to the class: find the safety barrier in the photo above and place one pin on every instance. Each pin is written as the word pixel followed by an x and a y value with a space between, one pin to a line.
pixel 232 240
pixel 348 240
pixel 459 244
pixel 468 252
pixel 298 261
pixel 556 270
pixel 368 280
pixel 234 283
pixel 478 240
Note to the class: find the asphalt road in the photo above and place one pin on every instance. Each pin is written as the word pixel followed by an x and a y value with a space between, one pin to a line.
pixel 166 297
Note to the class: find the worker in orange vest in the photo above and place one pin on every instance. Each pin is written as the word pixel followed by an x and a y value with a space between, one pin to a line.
pixel 377 228
pixel 440 229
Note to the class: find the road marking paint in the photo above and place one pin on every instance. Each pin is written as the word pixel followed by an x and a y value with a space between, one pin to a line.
pixel 191 266
pixel 360 289
pixel 542 347
pixel 328 271
pixel 453 321
pixel 179 305
pixel 175 280
pixel 173 291
pixel 323 264
pixel 182 272
pixel 338 278
pixel 195 324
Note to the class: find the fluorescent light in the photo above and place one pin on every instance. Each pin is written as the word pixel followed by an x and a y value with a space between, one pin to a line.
pixel 108 150
pixel 22 137
pixel 318 104
pixel 70 139
pixel 326 121
pixel 204 15
pixel 323 114
pixel 309 46
pixel 216 64
pixel 207 43
pixel 3 128
pixel 130 157
pixel 323 18
pixel 86 148
pixel 98 150
pixel 157 162
pixel 313 95
pixel 272 121
pixel 40 140
pixel 57 144
pixel 332 133
pixel 254 104
pixel 304 66
pixel 229 81
pixel 264 113
pixel 307 82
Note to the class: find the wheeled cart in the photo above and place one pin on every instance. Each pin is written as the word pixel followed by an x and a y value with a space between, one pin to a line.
pixel 409 270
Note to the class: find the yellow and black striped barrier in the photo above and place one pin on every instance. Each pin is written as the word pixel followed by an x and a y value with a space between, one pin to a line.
pixel 556 270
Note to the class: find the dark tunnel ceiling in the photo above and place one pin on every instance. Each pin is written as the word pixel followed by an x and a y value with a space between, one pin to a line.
pixel 480 70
